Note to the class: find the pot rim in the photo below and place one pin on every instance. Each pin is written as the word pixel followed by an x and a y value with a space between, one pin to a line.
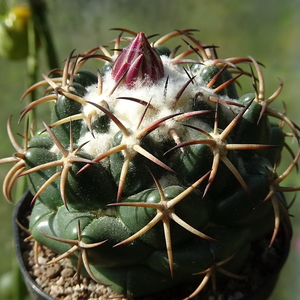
pixel 36 292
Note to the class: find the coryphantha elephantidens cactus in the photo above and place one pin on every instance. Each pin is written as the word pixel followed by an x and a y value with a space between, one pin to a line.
pixel 154 172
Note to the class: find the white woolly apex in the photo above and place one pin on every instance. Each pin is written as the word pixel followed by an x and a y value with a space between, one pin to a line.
pixel 161 96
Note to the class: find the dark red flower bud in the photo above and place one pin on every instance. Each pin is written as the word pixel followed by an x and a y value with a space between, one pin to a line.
pixel 138 61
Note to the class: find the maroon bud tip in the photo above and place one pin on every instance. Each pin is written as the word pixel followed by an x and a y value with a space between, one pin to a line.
pixel 138 61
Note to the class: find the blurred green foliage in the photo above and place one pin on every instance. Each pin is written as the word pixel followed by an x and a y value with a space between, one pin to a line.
pixel 268 30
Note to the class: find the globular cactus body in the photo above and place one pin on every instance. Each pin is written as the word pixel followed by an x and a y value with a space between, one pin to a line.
pixel 154 169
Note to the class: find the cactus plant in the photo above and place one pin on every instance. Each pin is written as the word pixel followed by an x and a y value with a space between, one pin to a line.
pixel 154 172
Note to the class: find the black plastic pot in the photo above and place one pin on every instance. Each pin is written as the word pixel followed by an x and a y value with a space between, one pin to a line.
pixel 21 208
pixel 37 293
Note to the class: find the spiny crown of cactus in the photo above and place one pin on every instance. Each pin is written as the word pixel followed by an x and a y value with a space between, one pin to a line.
pixel 154 172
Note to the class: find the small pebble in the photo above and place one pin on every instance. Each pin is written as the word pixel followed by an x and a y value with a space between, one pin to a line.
pixel 42 260
pixel 67 272
pixel 53 271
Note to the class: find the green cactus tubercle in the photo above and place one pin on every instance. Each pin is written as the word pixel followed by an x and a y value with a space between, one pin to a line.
pixel 154 171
